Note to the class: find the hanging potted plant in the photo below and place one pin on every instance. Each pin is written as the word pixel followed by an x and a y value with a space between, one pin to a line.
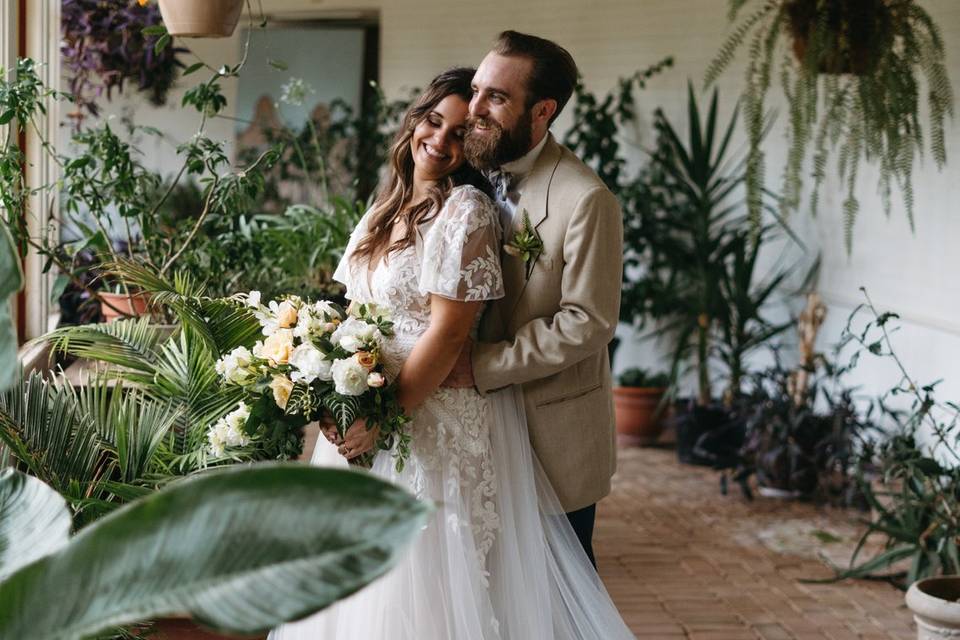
pixel 104 47
pixel 853 73
pixel 207 19
pixel 638 404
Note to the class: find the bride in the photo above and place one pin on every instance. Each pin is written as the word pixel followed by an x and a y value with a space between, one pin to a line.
pixel 498 558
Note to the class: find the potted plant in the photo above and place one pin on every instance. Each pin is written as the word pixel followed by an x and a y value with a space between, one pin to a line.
pixel 104 47
pixel 851 71
pixel 207 19
pixel 692 259
pixel 638 403
pixel 916 507
pixel 935 603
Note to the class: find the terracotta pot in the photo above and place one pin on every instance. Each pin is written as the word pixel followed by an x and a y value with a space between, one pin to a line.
pixel 636 411
pixel 935 607
pixel 201 18
pixel 180 629
pixel 120 305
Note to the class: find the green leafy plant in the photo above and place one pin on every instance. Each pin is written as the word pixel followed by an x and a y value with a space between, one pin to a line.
pixel 217 547
pixel 917 501
pixel 850 71
pixel 689 254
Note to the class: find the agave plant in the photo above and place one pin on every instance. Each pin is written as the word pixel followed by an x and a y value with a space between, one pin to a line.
pixel 851 73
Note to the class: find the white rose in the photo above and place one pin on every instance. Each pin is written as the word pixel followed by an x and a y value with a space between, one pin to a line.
pixel 353 334
pixel 349 377
pixel 217 437
pixel 310 364
pixel 375 380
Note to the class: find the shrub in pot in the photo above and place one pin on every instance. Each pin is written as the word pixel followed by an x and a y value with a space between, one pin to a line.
pixel 639 406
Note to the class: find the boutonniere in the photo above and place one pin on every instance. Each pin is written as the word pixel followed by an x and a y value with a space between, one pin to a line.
pixel 526 245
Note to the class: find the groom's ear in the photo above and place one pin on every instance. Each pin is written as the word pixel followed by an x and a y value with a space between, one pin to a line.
pixel 543 110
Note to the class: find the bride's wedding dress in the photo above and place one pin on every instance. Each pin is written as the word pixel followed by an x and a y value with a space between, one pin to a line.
pixel 498 558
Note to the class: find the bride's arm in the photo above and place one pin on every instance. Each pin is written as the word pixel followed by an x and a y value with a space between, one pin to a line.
pixel 437 350
pixel 430 362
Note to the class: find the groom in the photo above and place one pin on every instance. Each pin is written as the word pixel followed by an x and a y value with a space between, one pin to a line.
pixel 550 332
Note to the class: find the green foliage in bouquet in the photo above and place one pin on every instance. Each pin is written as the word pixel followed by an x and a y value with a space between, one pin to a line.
pixel 850 71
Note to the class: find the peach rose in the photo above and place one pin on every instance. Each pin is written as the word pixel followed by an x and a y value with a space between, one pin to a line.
pixel 286 315
pixel 366 360
pixel 281 387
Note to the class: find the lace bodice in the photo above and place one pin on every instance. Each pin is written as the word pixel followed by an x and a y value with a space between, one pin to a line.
pixel 456 255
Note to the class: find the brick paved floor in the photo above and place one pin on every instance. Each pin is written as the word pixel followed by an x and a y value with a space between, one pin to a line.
pixel 683 561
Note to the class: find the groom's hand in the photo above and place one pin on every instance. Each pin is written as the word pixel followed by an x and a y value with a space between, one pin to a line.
pixel 461 376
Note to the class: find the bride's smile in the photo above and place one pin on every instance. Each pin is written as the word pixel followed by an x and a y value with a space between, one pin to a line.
pixel 437 141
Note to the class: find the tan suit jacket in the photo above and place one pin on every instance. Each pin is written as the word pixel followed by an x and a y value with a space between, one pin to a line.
pixel 550 332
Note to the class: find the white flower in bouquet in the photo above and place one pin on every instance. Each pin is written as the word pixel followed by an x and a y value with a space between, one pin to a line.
pixel 281 387
pixel 349 377
pixel 286 315
pixel 372 310
pixel 310 364
pixel 253 299
pixel 319 319
pixel 277 347
pixel 228 431
pixel 233 367
pixel 353 334
pixel 375 380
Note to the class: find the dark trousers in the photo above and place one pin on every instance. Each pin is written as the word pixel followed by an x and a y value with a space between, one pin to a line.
pixel 582 522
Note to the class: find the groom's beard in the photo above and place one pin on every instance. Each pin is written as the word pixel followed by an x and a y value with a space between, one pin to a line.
pixel 489 151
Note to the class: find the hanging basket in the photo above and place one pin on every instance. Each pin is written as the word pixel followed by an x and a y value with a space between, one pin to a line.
pixel 855 34
pixel 201 18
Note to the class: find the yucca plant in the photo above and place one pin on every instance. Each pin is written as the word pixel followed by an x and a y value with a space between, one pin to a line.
pixel 851 73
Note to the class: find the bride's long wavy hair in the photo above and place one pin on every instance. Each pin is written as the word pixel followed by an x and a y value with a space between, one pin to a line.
pixel 396 190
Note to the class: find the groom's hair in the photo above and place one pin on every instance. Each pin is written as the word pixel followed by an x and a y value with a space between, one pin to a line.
pixel 554 73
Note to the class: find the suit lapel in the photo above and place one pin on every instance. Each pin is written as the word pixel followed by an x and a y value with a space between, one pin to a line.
pixel 534 199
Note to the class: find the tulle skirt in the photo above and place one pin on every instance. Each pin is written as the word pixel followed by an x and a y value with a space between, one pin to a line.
pixel 498 559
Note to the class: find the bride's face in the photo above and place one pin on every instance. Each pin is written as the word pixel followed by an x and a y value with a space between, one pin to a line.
pixel 437 141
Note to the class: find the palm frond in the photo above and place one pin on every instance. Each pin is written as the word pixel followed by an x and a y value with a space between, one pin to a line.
pixel 131 344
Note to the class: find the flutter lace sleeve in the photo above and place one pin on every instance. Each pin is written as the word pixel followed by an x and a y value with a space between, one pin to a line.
pixel 346 273
pixel 460 251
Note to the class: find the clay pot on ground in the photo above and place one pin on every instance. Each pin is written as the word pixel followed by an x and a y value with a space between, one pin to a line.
pixel 638 421
pixel 201 19
pixel 181 629
pixel 121 305
pixel 936 611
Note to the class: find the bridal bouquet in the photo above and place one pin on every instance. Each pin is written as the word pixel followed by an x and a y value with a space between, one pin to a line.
pixel 316 360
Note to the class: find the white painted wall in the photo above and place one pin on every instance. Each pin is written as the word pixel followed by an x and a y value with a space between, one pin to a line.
pixel 914 274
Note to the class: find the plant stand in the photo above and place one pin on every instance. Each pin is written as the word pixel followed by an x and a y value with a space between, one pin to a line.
pixel 935 608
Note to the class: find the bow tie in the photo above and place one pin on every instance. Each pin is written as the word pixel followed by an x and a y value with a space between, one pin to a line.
pixel 502 182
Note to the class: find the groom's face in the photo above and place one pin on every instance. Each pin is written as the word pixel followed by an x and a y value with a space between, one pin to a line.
pixel 499 127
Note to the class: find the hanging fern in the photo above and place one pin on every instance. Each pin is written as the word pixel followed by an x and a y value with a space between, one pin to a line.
pixel 854 73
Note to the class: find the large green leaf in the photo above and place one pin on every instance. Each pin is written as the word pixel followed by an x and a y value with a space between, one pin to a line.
pixel 11 279
pixel 240 550
pixel 34 521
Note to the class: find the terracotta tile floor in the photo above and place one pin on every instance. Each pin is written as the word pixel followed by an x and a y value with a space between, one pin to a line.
pixel 683 561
